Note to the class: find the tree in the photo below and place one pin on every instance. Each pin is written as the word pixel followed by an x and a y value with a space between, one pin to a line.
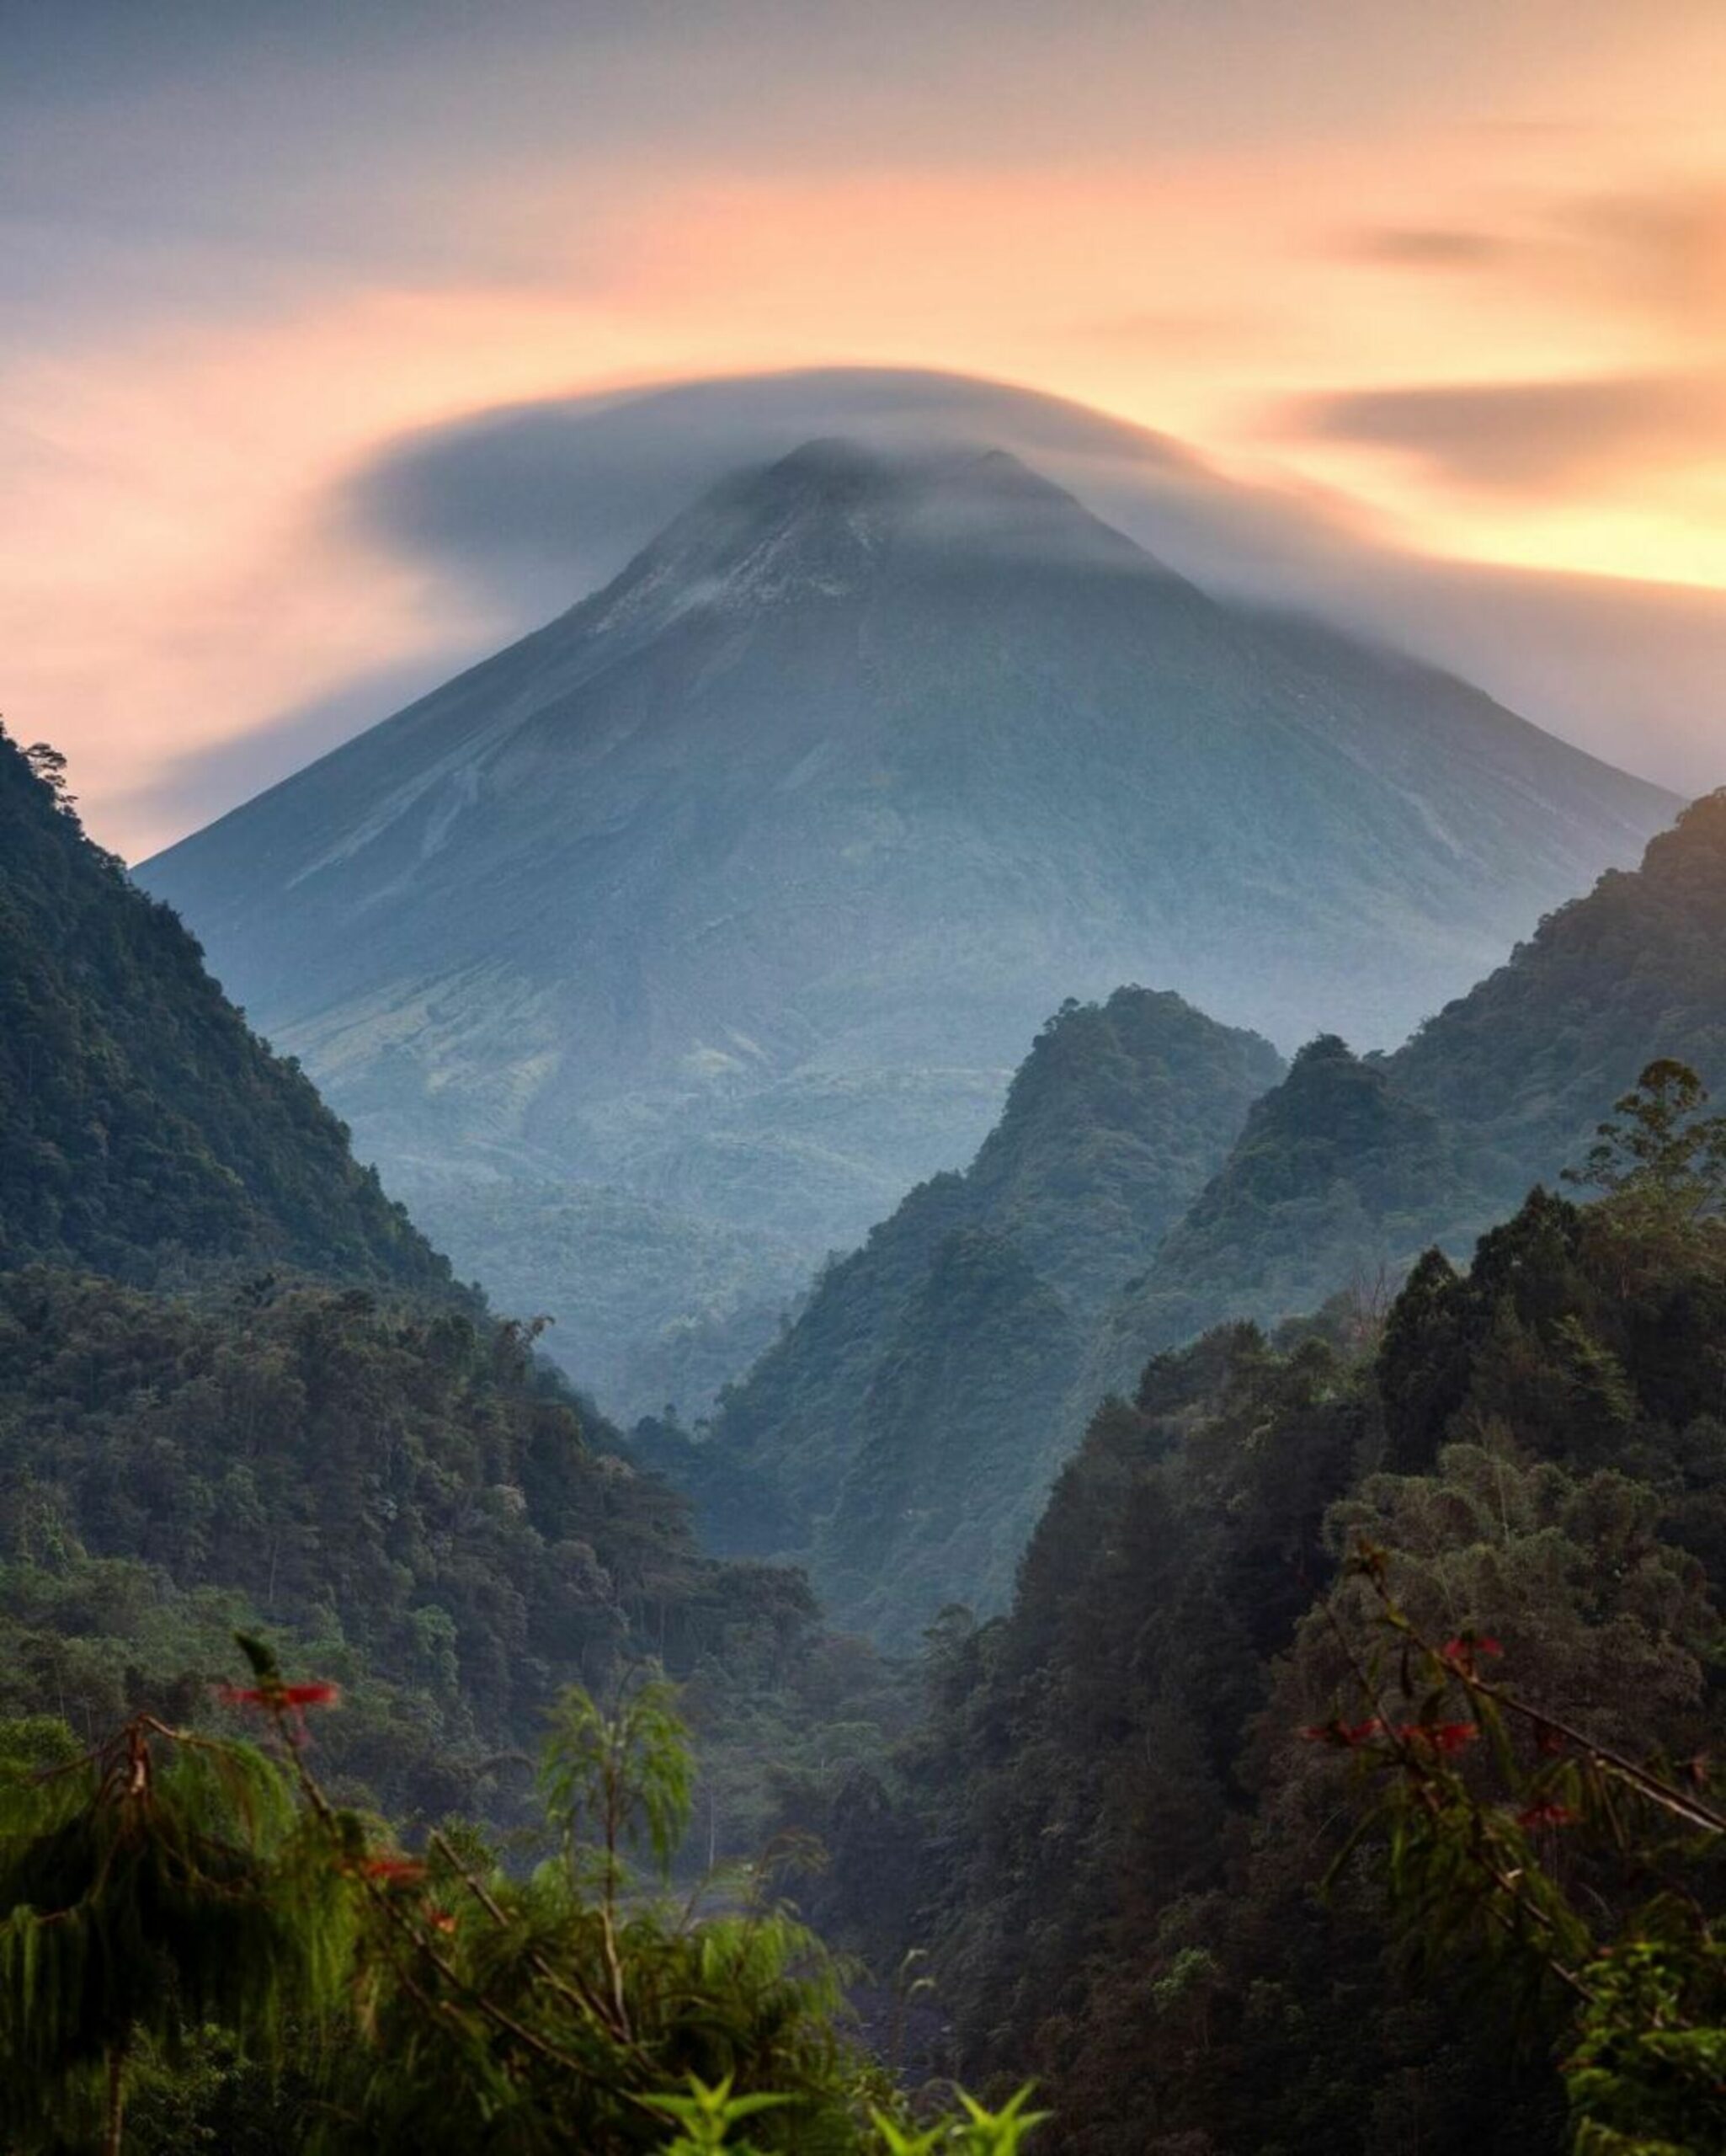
pixel 48 763
pixel 166 1893
pixel 1665 1153
pixel 156 1885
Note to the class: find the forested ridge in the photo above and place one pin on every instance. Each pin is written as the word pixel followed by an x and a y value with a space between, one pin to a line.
pixel 399 1490
pixel 1339 1178
pixel 1113 1834
pixel 146 1128
pixel 904 1430
pixel 238 1388
pixel 1352 1165
pixel 1161 1175
pixel 1635 969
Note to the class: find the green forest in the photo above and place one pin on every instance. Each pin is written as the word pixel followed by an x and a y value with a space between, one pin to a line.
pixel 1306 1749
pixel 1135 1872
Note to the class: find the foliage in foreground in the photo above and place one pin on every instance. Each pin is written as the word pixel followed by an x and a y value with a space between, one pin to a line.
pixel 182 1912
pixel 1583 1881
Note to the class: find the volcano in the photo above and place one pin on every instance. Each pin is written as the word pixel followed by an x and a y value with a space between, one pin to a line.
pixel 735 893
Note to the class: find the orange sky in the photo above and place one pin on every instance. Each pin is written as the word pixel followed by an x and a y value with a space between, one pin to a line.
pixel 1470 277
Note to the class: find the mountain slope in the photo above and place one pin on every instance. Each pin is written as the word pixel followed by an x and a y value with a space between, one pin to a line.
pixel 1337 1182
pixel 901 1432
pixel 1350 1167
pixel 737 886
pixel 1636 969
pixel 144 1124
pixel 1111 1123
pixel 960 1429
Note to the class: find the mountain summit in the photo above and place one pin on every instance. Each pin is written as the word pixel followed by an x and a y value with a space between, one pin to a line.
pixel 824 520
pixel 739 887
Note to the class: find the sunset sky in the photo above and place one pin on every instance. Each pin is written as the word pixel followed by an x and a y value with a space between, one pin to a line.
pixel 1455 275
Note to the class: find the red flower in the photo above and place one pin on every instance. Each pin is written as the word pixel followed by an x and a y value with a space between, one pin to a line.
pixel 1442 1736
pixel 312 1695
pixel 441 1919
pixel 1462 1650
pixel 396 1870
pixel 1546 1812
pixel 1336 1731
pixel 273 1697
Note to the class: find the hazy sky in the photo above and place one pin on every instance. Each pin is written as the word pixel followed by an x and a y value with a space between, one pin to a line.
pixel 1454 275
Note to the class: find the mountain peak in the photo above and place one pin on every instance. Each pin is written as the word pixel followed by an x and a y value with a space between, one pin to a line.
pixel 820 521
pixel 832 463
pixel 836 470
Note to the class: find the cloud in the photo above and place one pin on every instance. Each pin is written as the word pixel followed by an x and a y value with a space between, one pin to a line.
pixel 1658 253
pixel 1532 437
pixel 537 502
pixel 534 505
pixel 1663 250
pixel 1428 247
